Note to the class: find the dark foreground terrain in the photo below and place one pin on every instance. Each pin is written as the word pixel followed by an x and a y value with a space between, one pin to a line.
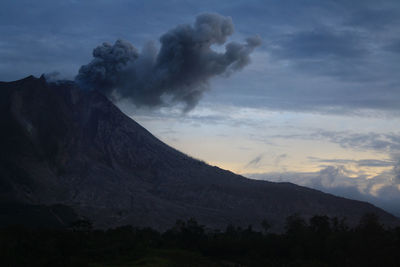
pixel 319 242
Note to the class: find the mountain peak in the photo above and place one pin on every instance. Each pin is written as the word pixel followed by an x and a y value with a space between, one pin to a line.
pixel 64 145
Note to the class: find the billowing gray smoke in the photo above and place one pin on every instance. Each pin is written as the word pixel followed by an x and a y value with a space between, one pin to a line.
pixel 178 73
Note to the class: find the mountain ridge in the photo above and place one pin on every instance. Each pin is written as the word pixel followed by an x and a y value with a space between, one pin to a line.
pixel 65 145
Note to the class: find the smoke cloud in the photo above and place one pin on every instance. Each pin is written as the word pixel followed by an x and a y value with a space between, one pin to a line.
pixel 178 72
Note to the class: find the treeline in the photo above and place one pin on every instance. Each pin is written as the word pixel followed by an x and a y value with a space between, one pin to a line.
pixel 320 241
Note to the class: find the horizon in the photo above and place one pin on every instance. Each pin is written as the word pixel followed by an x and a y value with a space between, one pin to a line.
pixel 318 105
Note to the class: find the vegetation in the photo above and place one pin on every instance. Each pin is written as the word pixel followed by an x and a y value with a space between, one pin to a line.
pixel 321 241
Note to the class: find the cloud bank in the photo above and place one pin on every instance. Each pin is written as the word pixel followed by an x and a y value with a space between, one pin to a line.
pixel 381 190
pixel 179 72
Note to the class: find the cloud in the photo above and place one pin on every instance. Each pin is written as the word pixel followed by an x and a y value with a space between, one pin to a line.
pixel 179 72
pixel 374 163
pixel 373 17
pixel 382 142
pixel 359 163
pixel 338 52
pixel 393 46
pixel 386 143
pixel 396 168
pixel 338 180
pixel 46 36
pixel 254 163
pixel 320 43
pixel 279 158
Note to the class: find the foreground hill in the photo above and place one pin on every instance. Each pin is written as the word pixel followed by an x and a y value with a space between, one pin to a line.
pixel 63 145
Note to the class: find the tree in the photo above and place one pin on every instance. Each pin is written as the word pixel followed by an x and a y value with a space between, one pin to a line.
pixel 265 225
pixel 295 224
pixel 320 225
pixel 82 225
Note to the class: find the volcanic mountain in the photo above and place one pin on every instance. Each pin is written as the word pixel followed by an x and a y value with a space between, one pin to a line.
pixel 62 146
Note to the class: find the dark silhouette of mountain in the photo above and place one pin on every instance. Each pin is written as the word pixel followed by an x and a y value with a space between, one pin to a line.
pixel 67 146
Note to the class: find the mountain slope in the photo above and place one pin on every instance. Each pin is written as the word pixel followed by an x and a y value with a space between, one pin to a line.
pixel 64 145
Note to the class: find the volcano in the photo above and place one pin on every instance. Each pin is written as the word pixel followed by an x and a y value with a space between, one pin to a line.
pixel 62 146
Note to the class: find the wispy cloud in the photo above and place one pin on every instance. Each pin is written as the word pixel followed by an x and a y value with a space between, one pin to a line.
pixel 384 142
pixel 360 163
pixel 255 162
pixel 320 43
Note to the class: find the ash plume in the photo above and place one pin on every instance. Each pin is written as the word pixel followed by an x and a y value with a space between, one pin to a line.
pixel 178 72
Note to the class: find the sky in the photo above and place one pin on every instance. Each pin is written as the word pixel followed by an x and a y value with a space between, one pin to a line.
pixel 318 105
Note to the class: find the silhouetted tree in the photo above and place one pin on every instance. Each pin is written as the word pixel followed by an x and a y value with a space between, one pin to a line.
pixel 82 225
pixel 320 225
pixel 321 242
pixel 295 225
pixel 265 225
pixel 369 224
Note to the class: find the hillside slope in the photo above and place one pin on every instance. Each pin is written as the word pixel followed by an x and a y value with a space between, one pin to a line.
pixel 63 145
